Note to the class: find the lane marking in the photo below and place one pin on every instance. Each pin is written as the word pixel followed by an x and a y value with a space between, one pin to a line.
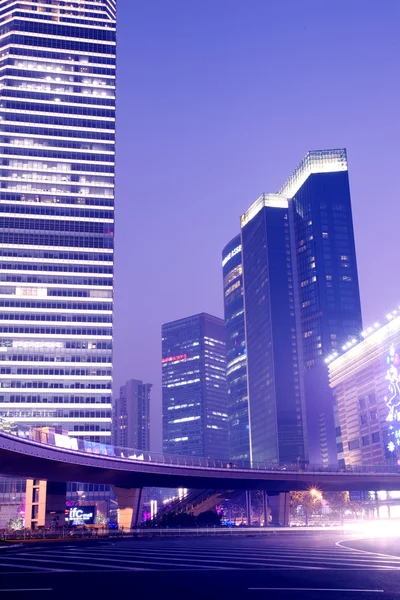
pixel 27 590
pixel 340 545
pixel 288 589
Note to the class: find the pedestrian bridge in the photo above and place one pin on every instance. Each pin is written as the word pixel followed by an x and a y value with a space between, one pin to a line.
pixel 50 454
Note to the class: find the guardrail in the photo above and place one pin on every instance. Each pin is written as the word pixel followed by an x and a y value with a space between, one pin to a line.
pixel 60 440
pixel 157 532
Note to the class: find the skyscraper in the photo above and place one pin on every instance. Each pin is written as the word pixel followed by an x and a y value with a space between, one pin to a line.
pixel 329 297
pixel 274 360
pixel 323 239
pixel 57 124
pixel 131 415
pixel 194 391
pixel 236 368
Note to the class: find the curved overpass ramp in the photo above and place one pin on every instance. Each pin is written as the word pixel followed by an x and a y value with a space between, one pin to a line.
pixel 27 458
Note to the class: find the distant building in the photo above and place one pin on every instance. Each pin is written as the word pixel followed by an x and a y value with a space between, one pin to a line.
pixel 131 415
pixel 366 383
pixel 278 430
pixel 194 390
pixel 236 368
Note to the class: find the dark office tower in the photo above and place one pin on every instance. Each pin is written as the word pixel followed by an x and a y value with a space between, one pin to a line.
pixel 320 204
pixel 194 391
pixel 278 430
pixel 57 141
pixel 236 368
pixel 330 310
pixel 131 415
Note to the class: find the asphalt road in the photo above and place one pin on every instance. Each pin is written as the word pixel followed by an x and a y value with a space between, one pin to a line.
pixel 299 567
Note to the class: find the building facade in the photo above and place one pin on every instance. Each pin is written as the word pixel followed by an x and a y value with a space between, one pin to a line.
pixel 131 415
pixel 278 431
pixel 327 281
pixel 57 144
pixel 236 367
pixel 365 380
pixel 194 390
pixel 323 239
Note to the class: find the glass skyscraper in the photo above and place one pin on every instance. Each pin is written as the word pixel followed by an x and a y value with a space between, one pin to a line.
pixel 194 391
pixel 57 143
pixel 329 297
pixel 274 359
pixel 319 195
pixel 236 368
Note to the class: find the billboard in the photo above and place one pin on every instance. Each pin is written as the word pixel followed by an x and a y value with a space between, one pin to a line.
pixel 80 515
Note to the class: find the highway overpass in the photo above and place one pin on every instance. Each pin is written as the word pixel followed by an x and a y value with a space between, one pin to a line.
pixel 43 455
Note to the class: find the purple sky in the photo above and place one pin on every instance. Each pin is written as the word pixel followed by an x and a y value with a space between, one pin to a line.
pixel 218 100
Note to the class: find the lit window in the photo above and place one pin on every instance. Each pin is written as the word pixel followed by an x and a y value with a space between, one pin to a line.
pixel 324 234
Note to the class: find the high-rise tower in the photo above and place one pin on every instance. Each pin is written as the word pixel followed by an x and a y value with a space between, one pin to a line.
pixel 320 204
pixel 236 367
pixel 194 392
pixel 274 360
pixel 131 415
pixel 57 144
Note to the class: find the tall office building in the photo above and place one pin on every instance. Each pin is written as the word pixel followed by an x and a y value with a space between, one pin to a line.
pixel 323 239
pixel 131 415
pixel 329 298
pixel 274 359
pixel 194 390
pixel 236 368
pixel 57 143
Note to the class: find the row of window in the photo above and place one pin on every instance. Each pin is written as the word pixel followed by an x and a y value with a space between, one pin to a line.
pixel 101 241
pixel 365 441
pixel 62 96
pixel 55 199
pixel 56 399
pixel 53 358
pixel 27 151
pixel 54 210
pixel 56 254
pixel 54 385
pixel 54 305
pixel 65 121
pixel 65 110
pixel 76 414
pixel 56 268
pixel 93 331
pixel 55 225
pixel 55 43
pixel 53 132
pixel 43 318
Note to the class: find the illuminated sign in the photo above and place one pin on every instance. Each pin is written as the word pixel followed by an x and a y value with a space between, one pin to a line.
pixel 173 358
pixel 81 515
pixel 231 255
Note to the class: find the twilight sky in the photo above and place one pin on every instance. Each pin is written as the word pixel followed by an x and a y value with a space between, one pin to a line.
pixel 218 100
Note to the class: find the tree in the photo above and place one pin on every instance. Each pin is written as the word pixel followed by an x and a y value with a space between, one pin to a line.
pixel 209 518
pixel 101 519
pixel 338 502
pixel 306 504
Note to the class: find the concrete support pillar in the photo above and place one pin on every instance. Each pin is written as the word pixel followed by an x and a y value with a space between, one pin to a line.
pixel 45 503
pixel 265 508
pixel 280 505
pixel 130 507
pixel 248 507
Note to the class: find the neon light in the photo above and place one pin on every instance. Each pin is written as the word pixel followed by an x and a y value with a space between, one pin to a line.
pixel 174 358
